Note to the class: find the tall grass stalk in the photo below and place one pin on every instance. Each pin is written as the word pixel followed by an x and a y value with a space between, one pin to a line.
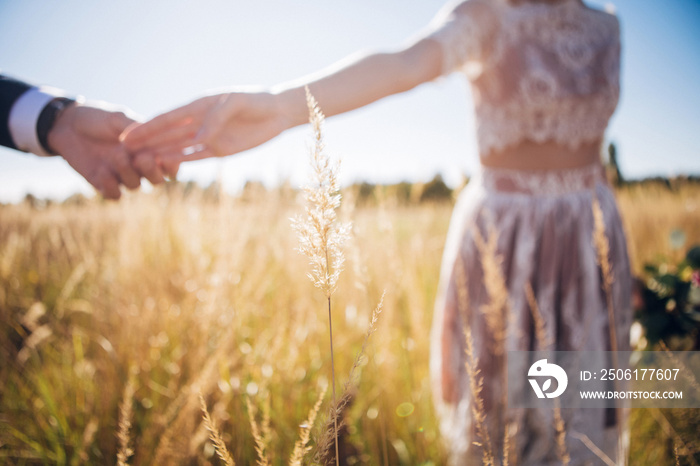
pixel 602 247
pixel 215 435
pixel 496 309
pixel 261 434
pixel 300 447
pixel 476 385
pixel 544 343
pixel 560 428
pixel 540 329
pixel 321 236
pixel 125 415
pixel 340 406
pixel 594 448
pixel 475 380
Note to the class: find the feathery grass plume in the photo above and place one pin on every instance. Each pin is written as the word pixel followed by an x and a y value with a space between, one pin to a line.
pixel 371 328
pixel 602 247
pixel 215 435
pixel 261 441
pixel 506 447
pixel 496 309
pixel 321 236
pixel 540 330
pixel 476 384
pixel 544 343
pixel 300 447
pixel 125 415
pixel 475 381
pixel 592 447
pixel 510 453
pixel 560 428
pixel 265 424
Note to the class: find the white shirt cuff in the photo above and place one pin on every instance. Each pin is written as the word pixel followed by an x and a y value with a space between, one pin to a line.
pixel 24 115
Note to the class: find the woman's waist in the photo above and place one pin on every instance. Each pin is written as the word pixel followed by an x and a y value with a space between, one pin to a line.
pixel 542 168
pixel 530 155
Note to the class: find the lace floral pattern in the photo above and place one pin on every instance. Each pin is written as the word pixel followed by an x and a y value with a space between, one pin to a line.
pixel 538 72
pixel 542 182
pixel 459 38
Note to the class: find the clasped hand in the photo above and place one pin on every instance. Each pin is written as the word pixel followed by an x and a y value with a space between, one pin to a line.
pixel 109 148
pixel 211 126
pixel 89 137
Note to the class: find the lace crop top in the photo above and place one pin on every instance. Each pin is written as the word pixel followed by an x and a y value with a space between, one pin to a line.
pixel 538 71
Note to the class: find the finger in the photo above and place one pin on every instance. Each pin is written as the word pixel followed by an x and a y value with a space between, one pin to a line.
pixel 118 122
pixel 181 134
pixel 135 137
pixel 107 184
pixel 169 166
pixel 215 120
pixel 121 164
pixel 177 154
pixel 145 163
pixel 128 130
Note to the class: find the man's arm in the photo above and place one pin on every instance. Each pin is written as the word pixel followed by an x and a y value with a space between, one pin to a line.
pixel 46 122
pixel 10 91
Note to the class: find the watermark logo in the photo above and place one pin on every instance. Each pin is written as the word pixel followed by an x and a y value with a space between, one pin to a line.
pixel 543 369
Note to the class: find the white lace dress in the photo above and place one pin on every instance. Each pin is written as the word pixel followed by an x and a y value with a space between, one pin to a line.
pixel 541 72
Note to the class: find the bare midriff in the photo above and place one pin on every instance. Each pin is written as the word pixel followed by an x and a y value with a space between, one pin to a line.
pixel 529 155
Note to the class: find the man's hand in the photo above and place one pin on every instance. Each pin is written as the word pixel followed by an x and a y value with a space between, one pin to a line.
pixel 87 137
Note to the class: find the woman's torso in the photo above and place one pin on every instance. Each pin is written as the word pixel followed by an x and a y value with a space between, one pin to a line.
pixel 544 78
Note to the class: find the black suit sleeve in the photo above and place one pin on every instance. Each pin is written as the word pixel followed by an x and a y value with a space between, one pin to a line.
pixel 10 90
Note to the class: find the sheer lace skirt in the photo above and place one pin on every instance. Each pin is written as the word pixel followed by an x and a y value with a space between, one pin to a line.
pixel 512 230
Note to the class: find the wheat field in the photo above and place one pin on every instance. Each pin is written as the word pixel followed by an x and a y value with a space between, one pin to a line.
pixel 117 316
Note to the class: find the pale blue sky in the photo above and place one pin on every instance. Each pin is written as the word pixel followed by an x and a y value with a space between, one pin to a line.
pixel 154 55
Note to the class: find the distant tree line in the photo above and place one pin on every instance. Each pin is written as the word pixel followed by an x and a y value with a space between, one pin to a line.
pixel 365 193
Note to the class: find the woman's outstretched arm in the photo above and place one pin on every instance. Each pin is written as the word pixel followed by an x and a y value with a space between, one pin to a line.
pixel 230 122
pixel 360 80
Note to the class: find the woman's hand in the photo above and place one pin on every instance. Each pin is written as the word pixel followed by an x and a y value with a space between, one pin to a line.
pixel 212 126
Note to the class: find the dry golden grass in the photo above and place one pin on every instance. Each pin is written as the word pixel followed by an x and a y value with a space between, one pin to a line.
pixel 560 427
pixel 496 309
pixel 602 248
pixel 206 293
pixel 651 212
pixel 476 381
pixel 300 447
pixel 209 296
pixel 543 343
pixel 125 414
pixel 476 385
pixel 215 435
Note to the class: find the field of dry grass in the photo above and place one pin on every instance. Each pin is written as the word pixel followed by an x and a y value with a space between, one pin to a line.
pixel 183 293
